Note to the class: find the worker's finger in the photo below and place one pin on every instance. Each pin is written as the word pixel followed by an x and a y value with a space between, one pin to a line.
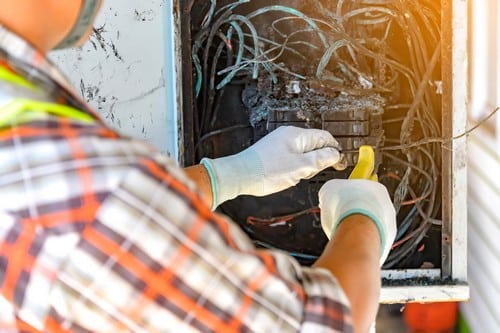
pixel 310 139
pixel 341 165
pixel 321 159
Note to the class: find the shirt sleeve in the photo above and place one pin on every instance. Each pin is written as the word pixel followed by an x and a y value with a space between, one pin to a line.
pixel 157 259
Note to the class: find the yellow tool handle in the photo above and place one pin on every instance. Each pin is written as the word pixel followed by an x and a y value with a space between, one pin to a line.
pixel 366 165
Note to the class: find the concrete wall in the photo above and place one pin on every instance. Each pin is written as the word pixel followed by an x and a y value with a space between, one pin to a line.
pixel 126 70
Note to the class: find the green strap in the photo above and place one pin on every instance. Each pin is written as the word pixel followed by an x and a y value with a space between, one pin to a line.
pixel 22 110
pixel 8 76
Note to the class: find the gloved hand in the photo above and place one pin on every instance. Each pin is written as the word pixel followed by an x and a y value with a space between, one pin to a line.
pixel 274 163
pixel 340 198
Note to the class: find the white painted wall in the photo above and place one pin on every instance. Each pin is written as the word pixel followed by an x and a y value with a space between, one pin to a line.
pixel 483 310
pixel 126 70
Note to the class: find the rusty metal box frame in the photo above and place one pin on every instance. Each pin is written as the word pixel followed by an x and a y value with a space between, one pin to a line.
pixel 420 285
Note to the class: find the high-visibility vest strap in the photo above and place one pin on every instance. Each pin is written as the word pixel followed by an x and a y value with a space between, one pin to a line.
pixel 19 104
pixel 18 111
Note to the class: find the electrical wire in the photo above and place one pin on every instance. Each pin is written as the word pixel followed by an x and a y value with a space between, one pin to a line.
pixel 280 220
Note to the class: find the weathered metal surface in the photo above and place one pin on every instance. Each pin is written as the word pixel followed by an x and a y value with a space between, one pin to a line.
pixel 126 70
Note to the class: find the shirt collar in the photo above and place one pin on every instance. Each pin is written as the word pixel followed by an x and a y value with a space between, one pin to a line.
pixel 22 56
pixel 25 59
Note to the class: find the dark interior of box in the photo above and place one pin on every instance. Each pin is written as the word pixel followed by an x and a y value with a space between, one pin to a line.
pixel 368 71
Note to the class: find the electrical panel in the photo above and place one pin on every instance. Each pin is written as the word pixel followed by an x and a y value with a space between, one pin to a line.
pixel 371 72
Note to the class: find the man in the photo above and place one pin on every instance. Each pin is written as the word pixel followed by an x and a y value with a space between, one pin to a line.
pixel 101 233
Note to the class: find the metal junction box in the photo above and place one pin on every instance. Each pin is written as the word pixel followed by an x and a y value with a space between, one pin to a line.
pixel 390 74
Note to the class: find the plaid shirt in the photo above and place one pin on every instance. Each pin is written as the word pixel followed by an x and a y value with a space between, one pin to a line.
pixel 101 233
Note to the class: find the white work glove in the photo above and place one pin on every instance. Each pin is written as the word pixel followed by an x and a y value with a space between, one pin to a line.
pixel 276 162
pixel 340 198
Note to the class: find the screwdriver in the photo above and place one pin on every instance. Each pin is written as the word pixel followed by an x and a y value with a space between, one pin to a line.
pixel 365 167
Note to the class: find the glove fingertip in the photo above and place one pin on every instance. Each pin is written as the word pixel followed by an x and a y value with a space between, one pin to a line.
pixel 328 157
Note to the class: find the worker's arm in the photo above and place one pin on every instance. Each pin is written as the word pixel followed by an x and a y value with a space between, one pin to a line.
pixel 359 219
pixel 199 175
pixel 352 256
pixel 274 163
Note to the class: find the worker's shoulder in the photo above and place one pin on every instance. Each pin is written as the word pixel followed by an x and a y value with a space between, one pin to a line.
pixel 125 155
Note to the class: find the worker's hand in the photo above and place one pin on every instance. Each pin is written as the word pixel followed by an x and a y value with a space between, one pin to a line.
pixel 340 198
pixel 276 162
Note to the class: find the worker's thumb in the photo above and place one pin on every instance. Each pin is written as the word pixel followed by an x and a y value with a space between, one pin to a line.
pixel 320 159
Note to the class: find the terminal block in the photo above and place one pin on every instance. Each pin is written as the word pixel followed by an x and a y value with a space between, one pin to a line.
pixel 352 126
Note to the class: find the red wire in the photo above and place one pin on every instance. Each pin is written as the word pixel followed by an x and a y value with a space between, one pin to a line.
pixel 284 218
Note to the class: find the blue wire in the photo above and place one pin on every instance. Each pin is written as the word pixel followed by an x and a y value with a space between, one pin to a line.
pixel 199 72
pixel 327 56
pixel 303 255
pixel 405 224
pixel 252 29
pixel 241 39
pixel 239 57
pixel 231 6
pixel 271 247
pixel 292 11
pixel 210 14
pixel 256 51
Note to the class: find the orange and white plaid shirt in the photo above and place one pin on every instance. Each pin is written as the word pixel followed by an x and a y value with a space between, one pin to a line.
pixel 101 233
